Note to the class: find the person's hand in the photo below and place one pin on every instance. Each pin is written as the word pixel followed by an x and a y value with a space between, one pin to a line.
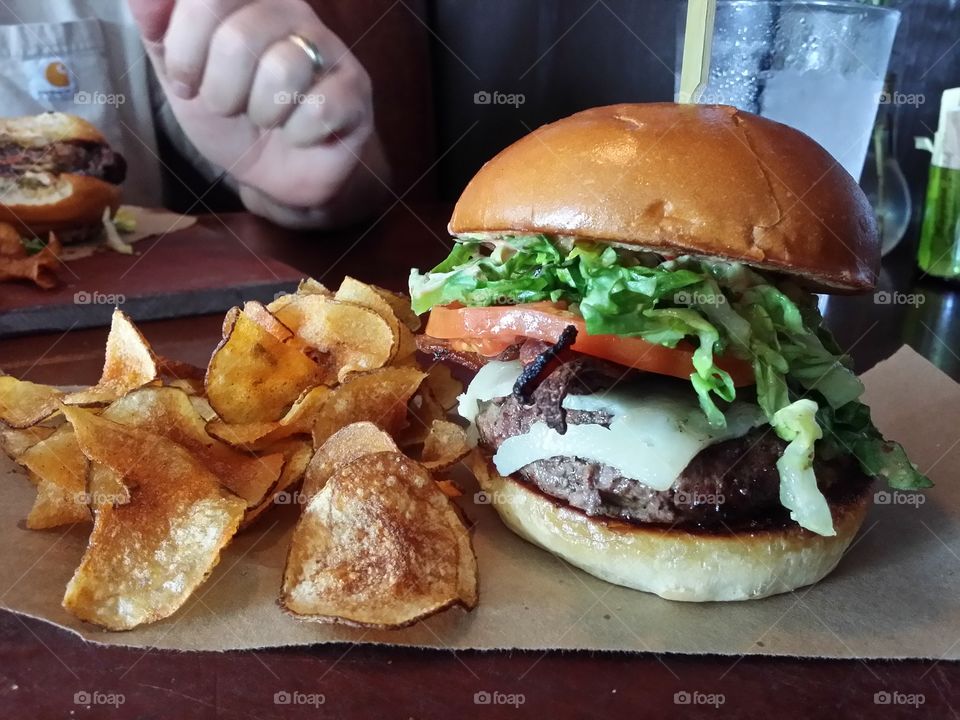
pixel 301 144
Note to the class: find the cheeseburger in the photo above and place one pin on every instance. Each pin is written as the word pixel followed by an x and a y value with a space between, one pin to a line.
pixel 655 391
pixel 57 174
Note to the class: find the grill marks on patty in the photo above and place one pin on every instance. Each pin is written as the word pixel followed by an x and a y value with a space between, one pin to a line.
pixel 734 483
pixel 65 156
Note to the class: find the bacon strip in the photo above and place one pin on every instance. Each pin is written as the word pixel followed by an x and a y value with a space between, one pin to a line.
pixel 442 350
pixel 544 365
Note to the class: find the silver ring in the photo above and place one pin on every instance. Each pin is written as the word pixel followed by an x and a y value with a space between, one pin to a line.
pixel 312 52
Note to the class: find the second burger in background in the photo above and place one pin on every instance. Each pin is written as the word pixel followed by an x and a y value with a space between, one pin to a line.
pixel 659 398
pixel 57 174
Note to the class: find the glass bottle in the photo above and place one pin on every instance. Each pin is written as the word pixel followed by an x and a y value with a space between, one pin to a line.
pixel 939 252
pixel 883 181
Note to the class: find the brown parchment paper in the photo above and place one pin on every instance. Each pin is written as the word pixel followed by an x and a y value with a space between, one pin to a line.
pixel 895 595
pixel 147 223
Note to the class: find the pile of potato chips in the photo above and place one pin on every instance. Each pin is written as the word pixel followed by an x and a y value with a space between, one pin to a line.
pixel 170 461
pixel 17 262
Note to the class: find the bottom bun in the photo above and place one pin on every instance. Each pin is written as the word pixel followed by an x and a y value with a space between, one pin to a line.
pixel 69 205
pixel 673 563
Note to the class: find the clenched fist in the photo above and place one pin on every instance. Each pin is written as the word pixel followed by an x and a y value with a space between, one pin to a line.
pixel 298 139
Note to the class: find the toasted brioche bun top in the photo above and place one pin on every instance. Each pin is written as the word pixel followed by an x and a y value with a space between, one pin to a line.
pixel 46 128
pixel 706 180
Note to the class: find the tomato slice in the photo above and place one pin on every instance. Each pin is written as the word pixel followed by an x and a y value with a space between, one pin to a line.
pixel 491 330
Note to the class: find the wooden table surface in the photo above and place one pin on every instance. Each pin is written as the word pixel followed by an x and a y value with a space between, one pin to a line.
pixel 45 672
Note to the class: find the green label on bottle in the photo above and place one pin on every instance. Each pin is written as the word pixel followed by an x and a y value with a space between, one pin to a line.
pixel 939 252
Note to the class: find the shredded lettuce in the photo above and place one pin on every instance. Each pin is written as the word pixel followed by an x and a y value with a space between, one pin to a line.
pixel 850 429
pixel 33 245
pixel 721 307
pixel 112 236
pixel 615 293
pixel 797 424
pixel 125 219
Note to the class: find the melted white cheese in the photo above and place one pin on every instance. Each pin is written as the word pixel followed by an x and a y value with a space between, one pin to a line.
pixel 494 380
pixel 651 438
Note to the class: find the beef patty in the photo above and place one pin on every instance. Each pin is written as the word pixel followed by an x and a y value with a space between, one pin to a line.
pixel 732 484
pixel 66 156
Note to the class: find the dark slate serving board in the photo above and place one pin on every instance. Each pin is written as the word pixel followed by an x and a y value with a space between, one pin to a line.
pixel 203 269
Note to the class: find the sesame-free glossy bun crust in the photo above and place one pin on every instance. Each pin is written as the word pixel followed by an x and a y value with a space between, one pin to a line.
pixel 705 180
pixel 49 127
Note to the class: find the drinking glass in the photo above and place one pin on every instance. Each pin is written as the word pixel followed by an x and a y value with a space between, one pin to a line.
pixel 818 66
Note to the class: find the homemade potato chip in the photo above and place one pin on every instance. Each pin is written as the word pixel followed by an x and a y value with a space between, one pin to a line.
pixel 449 488
pixel 298 420
pixel 267 320
pixel 59 469
pixel 178 370
pixel 179 458
pixel 356 292
pixel 307 286
pixel 229 320
pixel 406 345
pixel 146 557
pixel 55 506
pixel 378 546
pixel 105 487
pixel 353 291
pixel 23 403
pixel 355 337
pixel 444 387
pixel 401 307
pixel 280 301
pixel 254 377
pixel 17 264
pixel 380 396
pixel 58 459
pixel 169 413
pixel 129 364
pixel 437 395
pixel 445 445
pixel 297 454
pixel 185 376
pixel 400 304
pixel 424 409
pixel 15 442
pixel 11 244
pixel 202 406
pixel 345 445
